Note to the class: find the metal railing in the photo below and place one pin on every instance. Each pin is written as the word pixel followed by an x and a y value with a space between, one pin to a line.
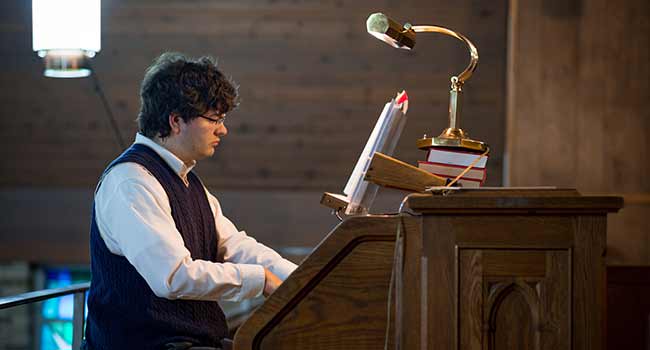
pixel 79 291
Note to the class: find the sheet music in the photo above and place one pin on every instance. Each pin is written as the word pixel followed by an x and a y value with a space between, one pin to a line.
pixel 384 137
pixel 366 154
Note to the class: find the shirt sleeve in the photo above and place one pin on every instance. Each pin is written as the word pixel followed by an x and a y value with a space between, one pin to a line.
pixel 134 219
pixel 237 247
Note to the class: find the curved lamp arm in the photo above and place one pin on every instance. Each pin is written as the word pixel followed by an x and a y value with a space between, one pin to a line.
pixel 473 52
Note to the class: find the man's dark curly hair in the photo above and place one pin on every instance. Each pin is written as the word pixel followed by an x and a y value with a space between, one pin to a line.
pixel 188 87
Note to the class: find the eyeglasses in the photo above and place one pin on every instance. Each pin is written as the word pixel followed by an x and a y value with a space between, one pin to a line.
pixel 221 118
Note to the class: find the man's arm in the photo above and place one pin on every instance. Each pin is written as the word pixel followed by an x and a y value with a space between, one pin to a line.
pixel 134 219
pixel 237 247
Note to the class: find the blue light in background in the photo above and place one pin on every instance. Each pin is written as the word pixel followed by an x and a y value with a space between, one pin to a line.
pixel 57 314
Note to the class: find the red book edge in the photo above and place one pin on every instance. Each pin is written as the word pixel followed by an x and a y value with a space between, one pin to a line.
pixel 456 166
pixel 449 165
pixel 429 153
pixel 462 178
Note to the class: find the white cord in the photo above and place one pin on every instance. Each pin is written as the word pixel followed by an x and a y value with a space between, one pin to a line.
pixel 396 255
pixel 469 167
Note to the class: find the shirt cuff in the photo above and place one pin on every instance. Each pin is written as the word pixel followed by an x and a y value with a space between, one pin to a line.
pixel 253 280
pixel 283 268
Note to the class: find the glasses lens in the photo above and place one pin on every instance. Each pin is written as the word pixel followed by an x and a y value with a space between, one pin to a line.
pixel 216 119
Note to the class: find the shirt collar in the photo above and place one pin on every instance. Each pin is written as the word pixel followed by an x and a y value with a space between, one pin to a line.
pixel 179 167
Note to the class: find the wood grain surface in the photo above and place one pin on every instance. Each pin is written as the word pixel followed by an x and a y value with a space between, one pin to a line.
pixel 499 279
pixel 312 82
pixel 338 296
pixel 578 89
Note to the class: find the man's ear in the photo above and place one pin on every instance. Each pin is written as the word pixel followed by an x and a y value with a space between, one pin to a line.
pixel 174 120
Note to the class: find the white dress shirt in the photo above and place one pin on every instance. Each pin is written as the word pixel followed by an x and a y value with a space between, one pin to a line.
pixel 134 218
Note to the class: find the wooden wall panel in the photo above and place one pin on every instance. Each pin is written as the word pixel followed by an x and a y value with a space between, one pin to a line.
pixel 578 91
pixel 312 82
pixel 578 95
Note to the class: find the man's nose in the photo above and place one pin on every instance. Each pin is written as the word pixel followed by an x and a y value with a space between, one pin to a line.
pixel 222 130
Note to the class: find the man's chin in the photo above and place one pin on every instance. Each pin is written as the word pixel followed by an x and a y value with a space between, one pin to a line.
pixel 205 154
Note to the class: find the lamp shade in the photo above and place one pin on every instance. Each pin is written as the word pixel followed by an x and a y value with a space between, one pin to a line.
pixel 390 32
pixel 66 33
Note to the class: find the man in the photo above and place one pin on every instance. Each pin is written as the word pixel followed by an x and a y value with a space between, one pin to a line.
pixel 162 252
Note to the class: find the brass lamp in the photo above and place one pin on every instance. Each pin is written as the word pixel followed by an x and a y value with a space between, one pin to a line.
pixel 403 37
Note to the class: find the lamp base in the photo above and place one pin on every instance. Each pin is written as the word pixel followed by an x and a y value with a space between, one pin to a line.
pixel 462 143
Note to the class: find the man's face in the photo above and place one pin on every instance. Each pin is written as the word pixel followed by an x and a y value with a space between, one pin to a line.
pixel 200 136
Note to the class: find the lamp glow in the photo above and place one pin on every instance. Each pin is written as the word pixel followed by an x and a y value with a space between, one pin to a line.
pixel 66 34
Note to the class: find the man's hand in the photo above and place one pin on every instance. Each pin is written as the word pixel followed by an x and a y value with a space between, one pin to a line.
pixel 271 282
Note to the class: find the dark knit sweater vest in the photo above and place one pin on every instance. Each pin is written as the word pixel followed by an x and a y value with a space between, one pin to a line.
pixel 123 312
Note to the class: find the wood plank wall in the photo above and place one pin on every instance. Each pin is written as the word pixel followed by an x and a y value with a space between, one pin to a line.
pixel 312 82
pixel 578 116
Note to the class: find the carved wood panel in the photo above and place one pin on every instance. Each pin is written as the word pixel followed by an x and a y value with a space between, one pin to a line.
pixel 514 299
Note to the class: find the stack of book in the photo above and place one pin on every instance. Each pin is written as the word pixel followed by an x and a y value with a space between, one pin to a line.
pixel 449 163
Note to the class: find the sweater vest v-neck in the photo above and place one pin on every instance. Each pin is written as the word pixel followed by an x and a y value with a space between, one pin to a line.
pixel 124 313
